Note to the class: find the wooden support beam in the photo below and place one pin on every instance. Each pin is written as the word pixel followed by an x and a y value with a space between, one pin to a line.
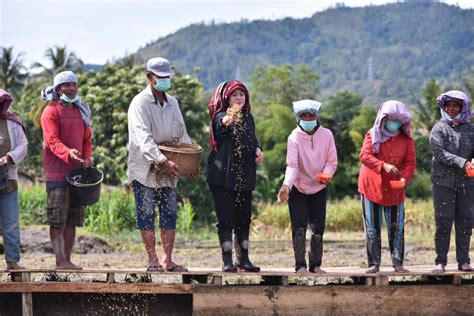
pixel 26 297
pixel 217 279
pixel 110 277
pixel 95 287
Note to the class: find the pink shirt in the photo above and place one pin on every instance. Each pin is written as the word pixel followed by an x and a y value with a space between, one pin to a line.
pixel 63 129
pixel 308 155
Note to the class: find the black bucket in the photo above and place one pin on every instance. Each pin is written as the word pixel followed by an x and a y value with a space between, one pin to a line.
pixel 85 184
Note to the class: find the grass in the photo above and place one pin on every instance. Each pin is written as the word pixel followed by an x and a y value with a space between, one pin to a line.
pixel 114 216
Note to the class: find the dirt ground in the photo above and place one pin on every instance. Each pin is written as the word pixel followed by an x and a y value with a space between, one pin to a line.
pixel 340 249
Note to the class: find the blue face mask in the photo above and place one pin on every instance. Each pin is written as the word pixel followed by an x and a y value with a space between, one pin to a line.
pixel 448 118
pixel 163 84
pixel 65 98
pixel 392 126
pixel 308 126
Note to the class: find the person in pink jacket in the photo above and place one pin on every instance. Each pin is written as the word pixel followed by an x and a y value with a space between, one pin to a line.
pixel 310 164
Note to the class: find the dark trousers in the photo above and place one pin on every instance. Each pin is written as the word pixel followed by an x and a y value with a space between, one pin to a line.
pixel 304 209
pixel 453 205
pixel 233 210
pixel 395 220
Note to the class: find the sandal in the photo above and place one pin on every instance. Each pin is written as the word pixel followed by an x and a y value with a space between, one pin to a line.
pixel 400 269
pixel 177 268
pixel 372 269
pixel 466 267
pixel 158 268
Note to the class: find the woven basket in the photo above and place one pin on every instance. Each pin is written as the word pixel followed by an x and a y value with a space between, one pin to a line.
pixel 186 156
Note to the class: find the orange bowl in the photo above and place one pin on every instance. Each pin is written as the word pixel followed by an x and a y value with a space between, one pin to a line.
pixel 470 172
pixel 323 177
pixel 397 184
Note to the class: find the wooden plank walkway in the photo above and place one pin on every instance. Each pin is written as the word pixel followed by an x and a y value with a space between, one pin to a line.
pixel 268 289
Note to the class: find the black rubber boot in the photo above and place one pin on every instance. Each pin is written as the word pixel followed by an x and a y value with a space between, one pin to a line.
pixel 316 250
pixel 299 247
pixel 226 247
pixel 242 252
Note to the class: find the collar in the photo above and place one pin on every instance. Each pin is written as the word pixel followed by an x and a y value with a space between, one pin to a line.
pixel 151 96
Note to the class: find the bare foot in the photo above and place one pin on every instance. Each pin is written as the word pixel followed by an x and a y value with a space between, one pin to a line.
pixel 173 267
pixel 14 266
pixel 372 269
pixel 466 267
pixel 439 268
pixel 67 266
pixel 400 269
pixel 302 270
pixel 317 270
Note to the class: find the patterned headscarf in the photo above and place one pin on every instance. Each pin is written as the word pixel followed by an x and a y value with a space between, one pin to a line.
pixel 5 101
pixel 389 110
pixel 219 102
pixel 51 93
pixel 459 97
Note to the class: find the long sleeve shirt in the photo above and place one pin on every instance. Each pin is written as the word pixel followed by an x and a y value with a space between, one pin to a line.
pixel 308 155
pixel 149 124
pixel 374 182
pixel 451 146
pixel 233 164
pixel 18 147
pixel 63 130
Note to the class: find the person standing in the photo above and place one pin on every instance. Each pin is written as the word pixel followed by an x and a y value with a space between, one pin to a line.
pixel 388 154
pixel 13 149
pixel 67 144
pixel 311 150
pixel 154 117
pixel 452 145
pixel 231 171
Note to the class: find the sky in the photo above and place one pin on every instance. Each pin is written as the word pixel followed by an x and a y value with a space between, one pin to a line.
pixel 101 30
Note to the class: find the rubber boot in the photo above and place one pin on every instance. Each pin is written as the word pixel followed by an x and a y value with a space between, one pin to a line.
pixel 299 247
pixel 242 251
pixel 316 249
pixel 228 265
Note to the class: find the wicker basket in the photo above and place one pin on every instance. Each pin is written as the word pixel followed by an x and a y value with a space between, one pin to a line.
pixel 186 156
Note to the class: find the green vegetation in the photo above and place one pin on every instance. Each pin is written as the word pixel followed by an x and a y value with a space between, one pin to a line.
pixel 406 44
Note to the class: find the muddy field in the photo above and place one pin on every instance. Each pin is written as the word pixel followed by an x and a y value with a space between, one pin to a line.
pixel 340 249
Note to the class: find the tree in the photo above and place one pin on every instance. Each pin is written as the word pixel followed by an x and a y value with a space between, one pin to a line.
pixel 12 71
pixel 60 59
pixel 426 111
pixel 337 114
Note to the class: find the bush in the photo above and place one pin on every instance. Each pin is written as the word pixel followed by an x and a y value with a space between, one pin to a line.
pixel 420 188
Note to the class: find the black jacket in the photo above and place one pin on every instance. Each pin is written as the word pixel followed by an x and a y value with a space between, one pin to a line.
pixel 233 165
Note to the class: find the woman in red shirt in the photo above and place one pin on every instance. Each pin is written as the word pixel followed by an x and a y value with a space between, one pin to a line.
pixel 388 154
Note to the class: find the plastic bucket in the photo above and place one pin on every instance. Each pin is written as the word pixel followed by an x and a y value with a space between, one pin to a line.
pixel 85 184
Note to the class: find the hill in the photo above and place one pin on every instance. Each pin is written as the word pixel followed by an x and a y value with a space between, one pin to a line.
pixel 379 52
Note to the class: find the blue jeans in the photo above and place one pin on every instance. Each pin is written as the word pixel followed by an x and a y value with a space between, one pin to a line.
pixel 9 219
pixel 148 199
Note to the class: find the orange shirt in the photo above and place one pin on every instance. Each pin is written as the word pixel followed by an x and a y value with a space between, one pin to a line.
pixel 374 182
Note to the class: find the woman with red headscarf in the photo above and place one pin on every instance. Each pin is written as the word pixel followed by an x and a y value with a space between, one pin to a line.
pixel 231 171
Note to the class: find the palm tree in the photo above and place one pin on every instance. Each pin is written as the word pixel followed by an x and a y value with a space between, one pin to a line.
pixel 61 59
pixel 12 71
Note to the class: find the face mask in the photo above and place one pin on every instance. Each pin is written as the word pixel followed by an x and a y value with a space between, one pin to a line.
pixel 449 118
pixel 308 126
pixel 392 126
pixel 163 84
pixel 65 98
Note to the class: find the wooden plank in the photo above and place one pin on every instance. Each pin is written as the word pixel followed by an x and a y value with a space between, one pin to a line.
pixel 333 300
pixel 94 287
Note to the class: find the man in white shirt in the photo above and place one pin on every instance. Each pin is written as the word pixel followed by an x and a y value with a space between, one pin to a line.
pixel 155 117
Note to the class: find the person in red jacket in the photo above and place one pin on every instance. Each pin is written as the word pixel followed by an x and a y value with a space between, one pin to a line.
pixel 388 154
pixel 66 122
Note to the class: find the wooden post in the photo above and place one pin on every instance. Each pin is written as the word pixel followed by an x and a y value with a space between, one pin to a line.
pixel 217 279
pixel 27 297
pixel 457 280
pixel 110 277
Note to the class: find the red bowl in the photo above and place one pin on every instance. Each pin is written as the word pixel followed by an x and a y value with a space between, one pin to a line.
pixel 323 177
pixel 470 172
pixel 397 184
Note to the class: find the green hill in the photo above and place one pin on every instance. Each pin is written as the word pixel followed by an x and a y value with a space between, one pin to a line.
pixel 401 44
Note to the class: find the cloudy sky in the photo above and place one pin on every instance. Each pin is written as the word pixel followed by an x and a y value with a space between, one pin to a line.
pixel 100 30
